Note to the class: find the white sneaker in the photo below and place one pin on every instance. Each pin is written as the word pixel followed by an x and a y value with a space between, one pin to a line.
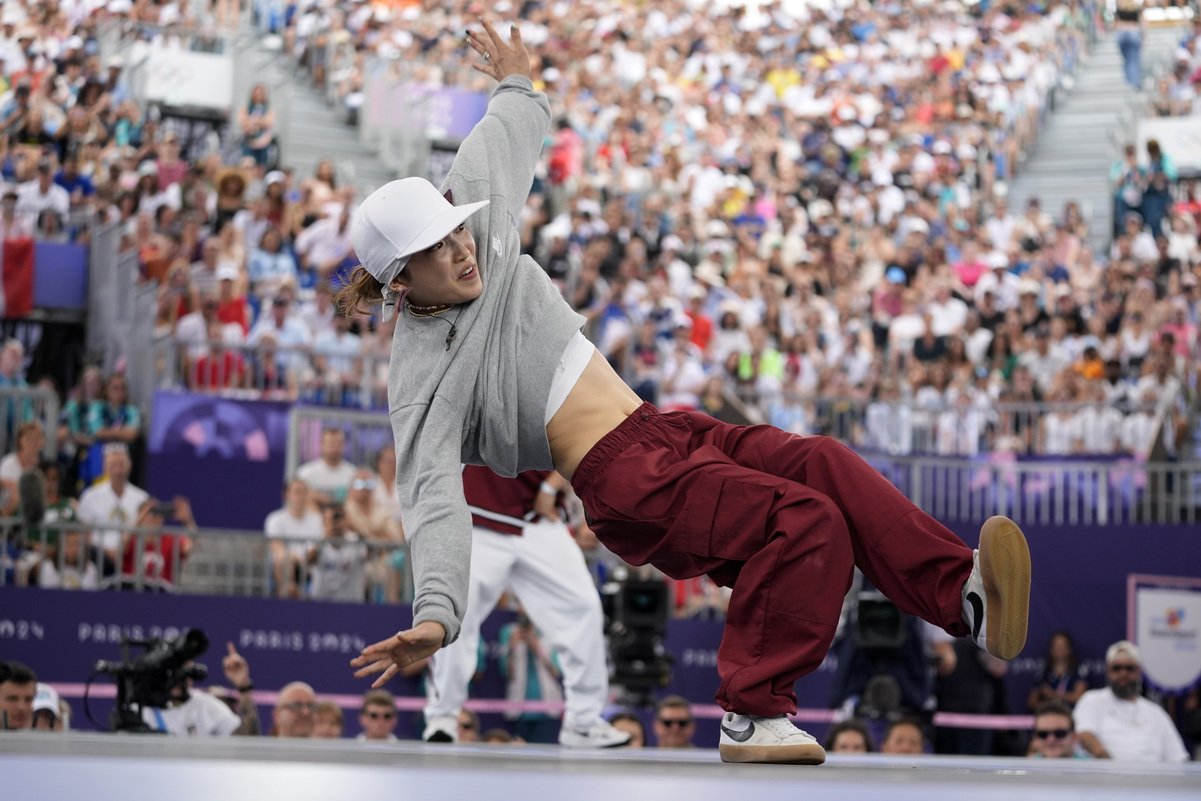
pixel 441 729
pixel 996 596
pixel 749 738
pixel 599 735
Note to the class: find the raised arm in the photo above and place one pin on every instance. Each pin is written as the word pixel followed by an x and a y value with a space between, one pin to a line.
pixel 438 524
pixel 500 154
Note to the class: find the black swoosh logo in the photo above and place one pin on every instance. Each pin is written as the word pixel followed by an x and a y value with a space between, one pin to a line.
pixel 739 736
pixel 977 613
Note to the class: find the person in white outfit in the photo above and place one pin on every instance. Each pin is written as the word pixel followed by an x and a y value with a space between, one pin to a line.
pixel 521 543
pixel 1118 723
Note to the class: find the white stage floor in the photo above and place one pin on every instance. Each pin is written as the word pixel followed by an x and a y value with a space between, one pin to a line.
pixel 134 767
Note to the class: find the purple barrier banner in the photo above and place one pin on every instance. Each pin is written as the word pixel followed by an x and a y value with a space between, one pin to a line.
pixel 226 456
pixel 1081 578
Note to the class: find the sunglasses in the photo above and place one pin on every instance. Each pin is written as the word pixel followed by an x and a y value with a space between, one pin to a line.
pixel 380 715
pixel 363 483
pixel 1122 668
pixel 467 726
pixel 678 723
pixel 1058 734
pixel 299 707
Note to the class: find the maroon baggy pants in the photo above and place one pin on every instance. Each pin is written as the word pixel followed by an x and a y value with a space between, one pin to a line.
pixel 782 519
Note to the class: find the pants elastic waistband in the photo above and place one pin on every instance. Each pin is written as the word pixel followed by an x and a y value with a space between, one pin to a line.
pixel 597 460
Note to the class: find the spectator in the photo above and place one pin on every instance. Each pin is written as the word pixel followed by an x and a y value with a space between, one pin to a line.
pixel 295 711
pixel 257 121
pixel 12 374
pixel 365 516
pixel 75 445
pixel 1044 362
pixel 115 503
pixel 338 564
pixel 377 717
pixel 329 476
pixel 674 725
pixel 199 713
pixel 1054 735
pixel 1118 723
pixel 231 189
pixel 974 686
pixel 385 486
pixel 219 368
pixel 31 439
pixel 336 360
pixel 43 194
pixel 202 275
pixel 113 420
pixel 47 715
pixel 291 529
pixel 469 727
pixel 631 724
pixel 156 566
pixel 79 187
pixel 286 331
pixel 70 569
pixel 1063 678
pixel 270 265
pixel 14 225
pixel 904 736
pixel 325 245
pixel 328 721
pixel 849 737
pixel 18 687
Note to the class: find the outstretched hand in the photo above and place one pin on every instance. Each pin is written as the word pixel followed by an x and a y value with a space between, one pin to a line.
pixel 500 59
pixel 395 653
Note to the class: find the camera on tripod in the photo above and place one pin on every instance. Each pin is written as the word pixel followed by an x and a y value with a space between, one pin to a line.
pixel 154 678
pixel 636 613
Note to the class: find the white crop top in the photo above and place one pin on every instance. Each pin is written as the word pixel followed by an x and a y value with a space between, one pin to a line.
pixel 571 366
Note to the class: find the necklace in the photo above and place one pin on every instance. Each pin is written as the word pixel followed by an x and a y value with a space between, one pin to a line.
pixel 427 311
pixel 434 311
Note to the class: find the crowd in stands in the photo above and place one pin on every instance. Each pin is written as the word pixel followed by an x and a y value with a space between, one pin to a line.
pixel 806 211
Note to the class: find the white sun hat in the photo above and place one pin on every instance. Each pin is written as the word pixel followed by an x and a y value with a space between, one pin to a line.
pixel 397 220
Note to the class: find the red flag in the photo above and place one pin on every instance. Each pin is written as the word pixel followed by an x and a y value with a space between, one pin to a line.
pixel 18 277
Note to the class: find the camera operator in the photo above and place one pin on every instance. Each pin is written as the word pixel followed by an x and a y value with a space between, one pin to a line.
pixel 886 659
pixel 202 714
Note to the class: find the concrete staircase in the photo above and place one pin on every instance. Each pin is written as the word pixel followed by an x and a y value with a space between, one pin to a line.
pixel 317 130
pixel 1085 134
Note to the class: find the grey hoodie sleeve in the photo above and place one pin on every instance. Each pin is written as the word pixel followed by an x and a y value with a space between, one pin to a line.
pixel 497 159
pixel 436 518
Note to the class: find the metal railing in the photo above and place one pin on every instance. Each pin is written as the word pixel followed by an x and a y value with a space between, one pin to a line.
pixel 202 562
pixel 270 372
pixel 23 404
pixel 1061 491
pixel 1049 493
pixel 905 427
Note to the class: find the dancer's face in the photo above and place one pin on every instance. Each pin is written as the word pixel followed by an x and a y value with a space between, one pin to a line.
pixel 445 273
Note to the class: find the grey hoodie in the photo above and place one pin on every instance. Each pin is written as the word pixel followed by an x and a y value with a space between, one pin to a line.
pixel 483 400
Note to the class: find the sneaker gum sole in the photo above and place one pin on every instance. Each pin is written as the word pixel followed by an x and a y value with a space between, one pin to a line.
pixel 1005 569
pixel 775 754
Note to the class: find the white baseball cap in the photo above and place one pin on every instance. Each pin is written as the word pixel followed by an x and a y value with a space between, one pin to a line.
pixel 399 219
pixel 45 698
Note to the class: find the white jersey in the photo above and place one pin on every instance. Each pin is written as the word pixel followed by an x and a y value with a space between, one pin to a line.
pixel 202 715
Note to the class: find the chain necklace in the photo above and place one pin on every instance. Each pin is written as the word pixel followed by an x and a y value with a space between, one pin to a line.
pixel 427 311
pixel 434 311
